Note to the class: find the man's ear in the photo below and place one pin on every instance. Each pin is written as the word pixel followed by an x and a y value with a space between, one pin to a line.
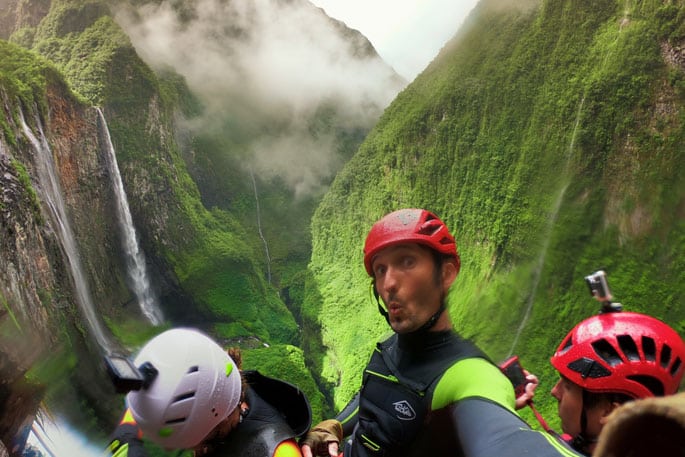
pixel 449 272
pixel 607 410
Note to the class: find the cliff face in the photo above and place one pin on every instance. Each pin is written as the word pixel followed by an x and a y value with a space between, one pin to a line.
pixel 42 313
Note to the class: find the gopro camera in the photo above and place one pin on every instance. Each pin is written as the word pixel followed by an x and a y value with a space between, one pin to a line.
pixel 513 370
pixel 126 376
pixel 599 288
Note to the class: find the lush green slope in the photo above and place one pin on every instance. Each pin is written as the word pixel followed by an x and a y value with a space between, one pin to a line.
pixel 550 137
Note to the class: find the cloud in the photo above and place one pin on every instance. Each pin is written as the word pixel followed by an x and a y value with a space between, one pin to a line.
pixel 273 62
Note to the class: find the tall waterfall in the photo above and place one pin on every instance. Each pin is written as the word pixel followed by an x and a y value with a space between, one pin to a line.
pixel 137 270
pixel 50 190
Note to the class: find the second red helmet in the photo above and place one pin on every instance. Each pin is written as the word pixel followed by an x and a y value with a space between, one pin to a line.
pixel 624 352
pixel 409 226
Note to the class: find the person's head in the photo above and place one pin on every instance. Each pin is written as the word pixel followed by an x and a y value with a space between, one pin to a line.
pixel 412 259
pixel 197 389
pixel 609 359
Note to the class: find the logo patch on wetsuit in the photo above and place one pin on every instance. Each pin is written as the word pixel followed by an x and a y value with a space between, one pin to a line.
pixel 406 412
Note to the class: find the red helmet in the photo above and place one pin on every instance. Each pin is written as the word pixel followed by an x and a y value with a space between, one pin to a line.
pixel 623 352
pixel 409 226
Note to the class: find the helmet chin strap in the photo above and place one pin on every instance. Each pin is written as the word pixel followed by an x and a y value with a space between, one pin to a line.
pixel 433 319
pixel 381 310
pixel 429 323
pixel 581 442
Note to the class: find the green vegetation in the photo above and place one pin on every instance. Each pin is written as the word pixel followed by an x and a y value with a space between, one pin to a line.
pixel 25 180
pixel 25 76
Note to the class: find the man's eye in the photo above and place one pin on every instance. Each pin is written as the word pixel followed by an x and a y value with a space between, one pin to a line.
pixel 408 261
pixel 379 270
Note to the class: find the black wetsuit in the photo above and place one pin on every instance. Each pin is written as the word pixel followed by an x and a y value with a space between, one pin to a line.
pixel 436 394
pixel 278 411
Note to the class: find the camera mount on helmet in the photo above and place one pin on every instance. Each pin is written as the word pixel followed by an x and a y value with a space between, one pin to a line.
pixel 599 288
pixel 126 376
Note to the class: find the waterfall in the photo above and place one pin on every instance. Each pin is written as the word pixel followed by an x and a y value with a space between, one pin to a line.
pixel 537 273
pixel 538 268
pixel 54 437
pixel 137 270
pixel 259 229
pixel 564 185
pixel 51 193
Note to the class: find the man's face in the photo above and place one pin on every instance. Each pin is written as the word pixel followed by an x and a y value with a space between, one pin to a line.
pixel 406 280
pixel 570 398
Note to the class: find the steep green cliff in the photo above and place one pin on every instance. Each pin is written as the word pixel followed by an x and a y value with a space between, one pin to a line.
pixel 549 136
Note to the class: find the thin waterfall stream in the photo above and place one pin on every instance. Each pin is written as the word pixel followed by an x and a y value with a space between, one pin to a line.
pixel 51 193
pixel 537 273
pixel 137 270
pixel 259 228
pixel 557 204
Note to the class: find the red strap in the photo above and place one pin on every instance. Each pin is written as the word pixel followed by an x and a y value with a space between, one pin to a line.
pixel 539 417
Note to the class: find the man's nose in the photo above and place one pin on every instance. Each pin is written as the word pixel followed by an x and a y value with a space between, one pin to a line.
pixel 390 280
pixel 555 391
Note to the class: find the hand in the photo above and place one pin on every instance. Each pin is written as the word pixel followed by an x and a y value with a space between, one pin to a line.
pixel 529 392
pixel 322 440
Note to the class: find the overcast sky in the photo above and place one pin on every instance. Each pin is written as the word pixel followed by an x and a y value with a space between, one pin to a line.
pixel 406 33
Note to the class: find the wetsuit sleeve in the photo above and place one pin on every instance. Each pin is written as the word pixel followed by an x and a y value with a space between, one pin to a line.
pixel 482 404
pixel 486 429
pixel 473 377
pixel 288 448
pixel 348 416
pixel 126 439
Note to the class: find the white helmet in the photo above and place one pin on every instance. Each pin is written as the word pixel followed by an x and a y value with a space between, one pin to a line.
pixel 197 386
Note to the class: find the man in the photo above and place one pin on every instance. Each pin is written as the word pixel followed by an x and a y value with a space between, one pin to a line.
pixel 196 397
pixel 608 360
pixel 426 391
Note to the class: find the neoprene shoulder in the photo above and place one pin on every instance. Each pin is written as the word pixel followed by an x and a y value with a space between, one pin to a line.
pixel 473 377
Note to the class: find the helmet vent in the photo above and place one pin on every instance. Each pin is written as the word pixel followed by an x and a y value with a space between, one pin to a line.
pixel 430 227
pixel 607 352
pixel 676 366
pixel 629 348
pixel 193 369
pixel 175 421
pixel 567 344
pixel 652 384
pixel 649 348
pixel 179 398
pixel 588 368
pixel 665 355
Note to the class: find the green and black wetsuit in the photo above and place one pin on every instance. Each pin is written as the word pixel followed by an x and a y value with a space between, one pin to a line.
pixel 437 394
